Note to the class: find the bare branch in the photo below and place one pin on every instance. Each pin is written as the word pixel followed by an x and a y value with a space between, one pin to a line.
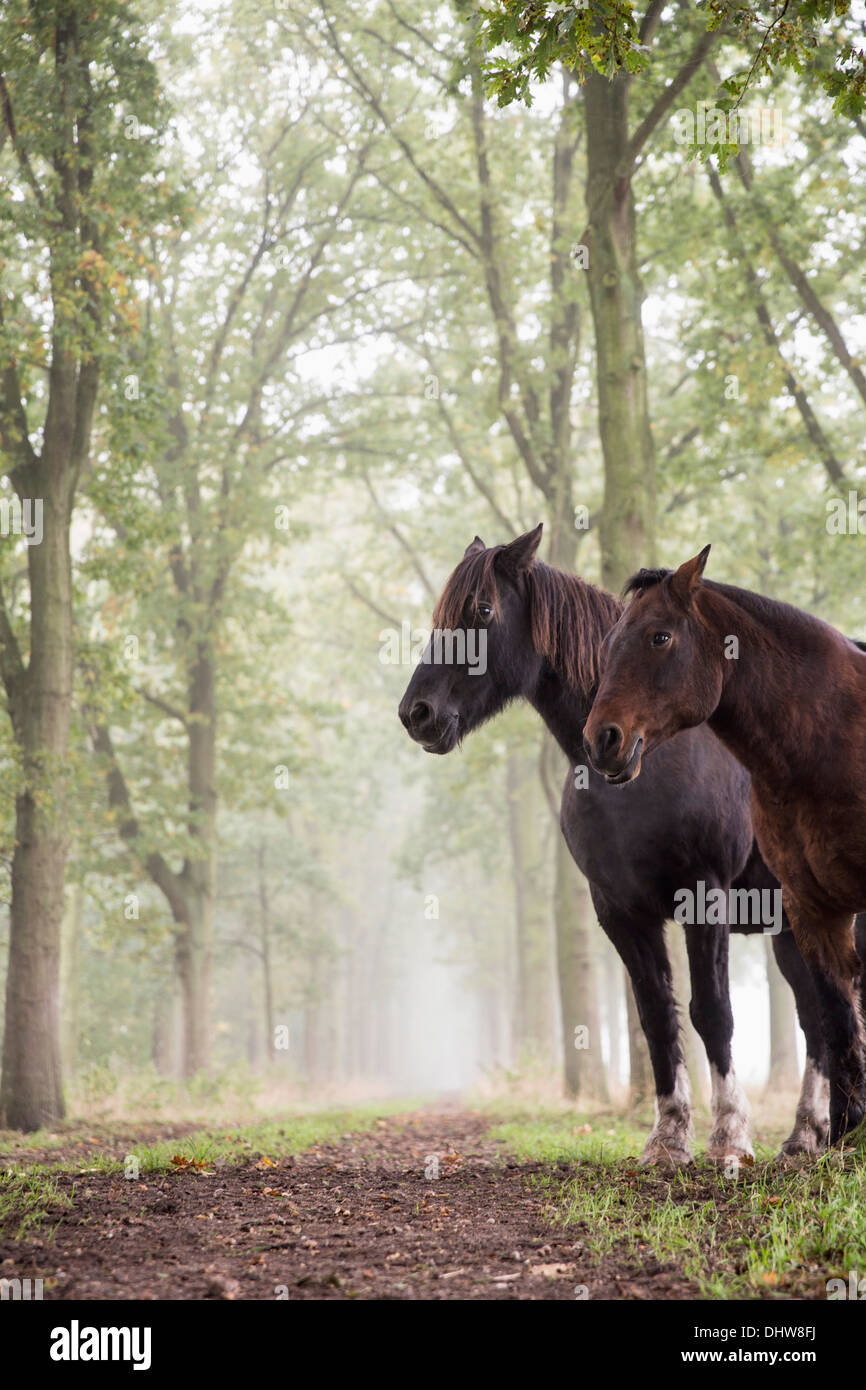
pixel 401 540
pixel 662 105
pixel 158 703
pixel 816 434
pixel 369 96
pixel 20 151
pixel 169 883
pixel 370 603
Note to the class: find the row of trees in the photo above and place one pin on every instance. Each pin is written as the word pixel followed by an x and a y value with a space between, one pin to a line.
pixel 289 311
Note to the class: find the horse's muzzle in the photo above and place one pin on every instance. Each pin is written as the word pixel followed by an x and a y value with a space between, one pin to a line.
pixel 424 724
pixel 610 756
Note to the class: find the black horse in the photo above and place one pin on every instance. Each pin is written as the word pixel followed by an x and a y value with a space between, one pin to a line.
pixel 684 824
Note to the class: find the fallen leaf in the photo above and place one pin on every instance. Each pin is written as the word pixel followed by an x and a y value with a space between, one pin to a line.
pixel 552 1271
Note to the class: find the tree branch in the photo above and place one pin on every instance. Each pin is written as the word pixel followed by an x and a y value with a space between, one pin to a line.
pixel 400 539
pixel 20 152
pixel 168 882
pixel 819 440
pixel 158 703
pixel 663 103
pixel 369 603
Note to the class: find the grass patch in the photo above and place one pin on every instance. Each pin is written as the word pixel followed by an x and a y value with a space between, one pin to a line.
pixel 768 1232
pixel 28 1200
pixel 273 1138
pixel 557 1137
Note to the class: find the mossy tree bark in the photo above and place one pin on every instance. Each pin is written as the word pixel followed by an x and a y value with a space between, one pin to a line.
pixel 627 524
pixel 585 1072
pixel 530 865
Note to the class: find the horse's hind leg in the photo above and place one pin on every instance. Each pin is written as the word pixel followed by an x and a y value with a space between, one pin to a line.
pixel 828 946
pixel 860 947
pixel 844 1054
pixel 812 1121
pixel 641 945
pixel 710 1012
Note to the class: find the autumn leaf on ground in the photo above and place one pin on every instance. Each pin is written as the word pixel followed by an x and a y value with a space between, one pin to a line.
pixel 552 1271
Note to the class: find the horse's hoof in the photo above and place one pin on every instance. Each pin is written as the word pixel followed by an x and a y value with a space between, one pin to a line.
pixel 729 1154
pixel 666 1156
pixel 801 1148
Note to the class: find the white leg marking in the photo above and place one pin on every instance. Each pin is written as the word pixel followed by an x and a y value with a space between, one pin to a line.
pixel 729 1136
pixel 812 1122
pixel 668 1144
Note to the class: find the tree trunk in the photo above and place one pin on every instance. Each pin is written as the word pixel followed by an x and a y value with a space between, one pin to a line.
pixel 614 986
pixel 535 1004
pixel 163 1048
pixel 784 1074
pixel 195 935
pixel 31 1094
pixel 265 938
pixel 694 1055
pixel 585 1073
pixel 189 893
pixel 627 527
pixel 70 932
pixel 192 962
pixel 574 916
pixel 641 1083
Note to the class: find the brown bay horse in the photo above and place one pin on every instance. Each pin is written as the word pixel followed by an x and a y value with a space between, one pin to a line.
pixel 786 694
pixel 686 822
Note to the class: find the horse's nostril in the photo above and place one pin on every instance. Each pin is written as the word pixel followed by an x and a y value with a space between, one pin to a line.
pixel 420 714
pixel 609 739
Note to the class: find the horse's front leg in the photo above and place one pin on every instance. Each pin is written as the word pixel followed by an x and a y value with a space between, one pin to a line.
pixel 711 1014
pixel 641 946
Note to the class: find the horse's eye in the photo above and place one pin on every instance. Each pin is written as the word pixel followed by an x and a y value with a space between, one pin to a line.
pixel 484 611
pixel 661 639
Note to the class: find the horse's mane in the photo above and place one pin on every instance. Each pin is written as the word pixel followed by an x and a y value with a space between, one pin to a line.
pixel 644 579
pixel 758 605
pixel 568 616
pixel 472 579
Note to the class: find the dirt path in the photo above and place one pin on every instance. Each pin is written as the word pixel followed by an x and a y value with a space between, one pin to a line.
pixel 362 1217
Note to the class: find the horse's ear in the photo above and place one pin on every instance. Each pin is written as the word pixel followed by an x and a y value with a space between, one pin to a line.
pixel 686 579
pixel 519 555
pixel 474 547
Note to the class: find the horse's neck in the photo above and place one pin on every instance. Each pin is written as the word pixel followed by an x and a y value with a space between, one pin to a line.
pixel 564 711
pixel 776 668
pixel 563 696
